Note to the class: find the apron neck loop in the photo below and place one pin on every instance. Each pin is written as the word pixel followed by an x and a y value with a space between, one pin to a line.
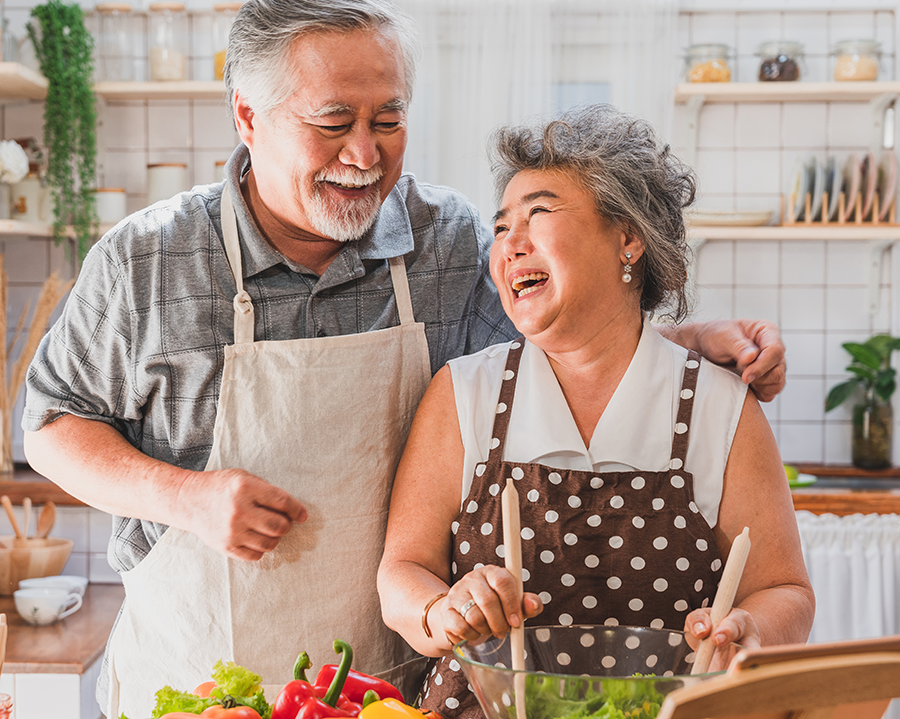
pixel 243 305
pixel 401 290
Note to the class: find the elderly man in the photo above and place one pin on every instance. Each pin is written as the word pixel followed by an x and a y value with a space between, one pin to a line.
pixel 248 356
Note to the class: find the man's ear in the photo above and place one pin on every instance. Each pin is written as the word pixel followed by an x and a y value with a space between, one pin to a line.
pixel 244 119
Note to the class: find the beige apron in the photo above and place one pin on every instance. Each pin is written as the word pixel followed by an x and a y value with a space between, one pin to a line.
pixel 325 419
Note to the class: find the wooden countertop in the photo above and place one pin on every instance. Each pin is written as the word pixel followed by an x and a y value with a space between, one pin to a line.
pixel 844 490
pixel 71 645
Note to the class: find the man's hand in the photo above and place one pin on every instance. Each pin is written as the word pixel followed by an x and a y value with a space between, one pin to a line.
pixel 753 348
pixel 236 512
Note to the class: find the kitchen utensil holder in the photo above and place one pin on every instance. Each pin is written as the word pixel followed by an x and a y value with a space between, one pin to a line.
pixel 844 218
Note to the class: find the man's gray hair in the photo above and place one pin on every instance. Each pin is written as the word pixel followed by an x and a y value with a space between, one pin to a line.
pixel 259 57
pixel 636 182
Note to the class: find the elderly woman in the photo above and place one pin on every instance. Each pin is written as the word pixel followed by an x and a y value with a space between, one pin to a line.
pixel 636 463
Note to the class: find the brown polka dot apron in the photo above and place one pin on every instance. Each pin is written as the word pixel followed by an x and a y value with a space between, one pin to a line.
pixel 615 548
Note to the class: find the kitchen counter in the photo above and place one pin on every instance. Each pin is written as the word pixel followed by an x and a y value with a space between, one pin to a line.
pixel 844 490
pixel 70 646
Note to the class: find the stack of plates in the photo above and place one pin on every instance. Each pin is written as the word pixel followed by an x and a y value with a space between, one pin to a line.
pixel 856 177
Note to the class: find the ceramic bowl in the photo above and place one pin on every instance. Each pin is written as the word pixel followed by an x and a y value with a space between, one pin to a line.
pixel 70 582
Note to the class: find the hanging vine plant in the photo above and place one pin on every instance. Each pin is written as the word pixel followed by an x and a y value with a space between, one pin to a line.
pixel 63 46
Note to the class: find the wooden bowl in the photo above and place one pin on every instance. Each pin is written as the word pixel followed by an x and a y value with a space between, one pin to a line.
pixel 28 558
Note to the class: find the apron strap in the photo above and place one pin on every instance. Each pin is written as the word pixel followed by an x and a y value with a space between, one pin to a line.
pixel 401 290
pixel 504 405
pixel 685 408
pixel 243 305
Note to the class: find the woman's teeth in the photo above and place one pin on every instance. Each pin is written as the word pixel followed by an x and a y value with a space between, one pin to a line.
pixel 526 284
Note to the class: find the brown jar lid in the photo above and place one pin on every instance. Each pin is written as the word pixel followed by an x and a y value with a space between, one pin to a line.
pixel 227 6
pixel 219 163
pixel 163 6
pixel 108 7
pixel 112 7
pixel 109 189
pixel 167 164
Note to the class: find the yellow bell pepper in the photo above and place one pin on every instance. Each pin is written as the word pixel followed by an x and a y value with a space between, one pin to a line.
pixel 390 708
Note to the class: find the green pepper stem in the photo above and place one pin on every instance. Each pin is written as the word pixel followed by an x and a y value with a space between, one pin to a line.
pixel 370 696
pixel 301 665
pixel 340 676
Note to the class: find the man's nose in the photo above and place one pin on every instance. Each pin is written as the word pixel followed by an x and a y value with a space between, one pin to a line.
pixel 360 149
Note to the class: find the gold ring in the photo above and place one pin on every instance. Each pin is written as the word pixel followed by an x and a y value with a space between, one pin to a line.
pixel 466 607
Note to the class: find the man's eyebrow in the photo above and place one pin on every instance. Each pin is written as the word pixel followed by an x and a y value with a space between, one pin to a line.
pixel 340 108
pixel 530 197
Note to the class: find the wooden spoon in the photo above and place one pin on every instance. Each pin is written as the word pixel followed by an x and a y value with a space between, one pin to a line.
pixel 731 578
pixel 7 505
pixel 512 542
pixel 46 520
pixel 26 511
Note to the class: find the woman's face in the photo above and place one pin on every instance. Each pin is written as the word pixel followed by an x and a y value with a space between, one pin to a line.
pixel 556 262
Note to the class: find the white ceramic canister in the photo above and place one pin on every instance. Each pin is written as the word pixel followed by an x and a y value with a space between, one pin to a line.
pixel 220 171
pixel 165 180
pixel 110 204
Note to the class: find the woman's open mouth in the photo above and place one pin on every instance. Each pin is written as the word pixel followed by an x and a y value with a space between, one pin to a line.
pixel 528 283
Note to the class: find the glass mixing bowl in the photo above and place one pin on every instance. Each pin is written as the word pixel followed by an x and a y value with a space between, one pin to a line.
pixel 576 672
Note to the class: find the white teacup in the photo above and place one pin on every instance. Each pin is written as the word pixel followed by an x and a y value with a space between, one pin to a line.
pixel 46 605
pixel 70 582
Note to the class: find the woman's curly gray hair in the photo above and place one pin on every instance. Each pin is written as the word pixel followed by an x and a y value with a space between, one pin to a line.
pixel 636 182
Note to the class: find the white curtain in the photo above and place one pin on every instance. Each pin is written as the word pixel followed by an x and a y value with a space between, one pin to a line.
pixel 854 566
pixel 492 62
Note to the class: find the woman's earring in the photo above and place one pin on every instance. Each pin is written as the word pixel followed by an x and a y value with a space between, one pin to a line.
pixel 626 276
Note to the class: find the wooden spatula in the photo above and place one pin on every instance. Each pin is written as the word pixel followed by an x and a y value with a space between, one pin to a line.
pixel 46 520
pixel 731 578
pixel 512 541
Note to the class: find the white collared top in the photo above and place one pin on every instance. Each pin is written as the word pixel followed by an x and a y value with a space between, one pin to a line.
pixel 634 433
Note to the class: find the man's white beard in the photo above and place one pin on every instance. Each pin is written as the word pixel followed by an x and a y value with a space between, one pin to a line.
pixel 341 219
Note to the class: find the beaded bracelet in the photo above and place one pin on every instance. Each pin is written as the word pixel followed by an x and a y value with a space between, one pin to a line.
pixel 425 613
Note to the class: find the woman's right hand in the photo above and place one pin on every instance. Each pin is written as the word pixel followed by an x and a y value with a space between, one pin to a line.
pixel 485 602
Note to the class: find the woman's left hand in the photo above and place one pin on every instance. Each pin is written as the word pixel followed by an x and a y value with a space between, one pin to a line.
pixel 738 626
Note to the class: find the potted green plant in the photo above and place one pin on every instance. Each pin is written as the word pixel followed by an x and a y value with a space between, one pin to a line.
pixel 873 416
pixel 63 47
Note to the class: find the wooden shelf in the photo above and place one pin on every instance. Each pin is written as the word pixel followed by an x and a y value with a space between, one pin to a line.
pixel 189 90
pixel 18 82
pixel 798 231
pixel 784 91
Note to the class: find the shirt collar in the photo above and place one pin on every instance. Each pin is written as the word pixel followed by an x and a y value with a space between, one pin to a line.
pixel 391 235
pixel 541 423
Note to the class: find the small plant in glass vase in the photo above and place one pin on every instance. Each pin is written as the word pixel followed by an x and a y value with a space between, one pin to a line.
pixel 873 416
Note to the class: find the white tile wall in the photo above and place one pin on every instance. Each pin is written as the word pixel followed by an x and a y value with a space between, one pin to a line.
pixel 817 291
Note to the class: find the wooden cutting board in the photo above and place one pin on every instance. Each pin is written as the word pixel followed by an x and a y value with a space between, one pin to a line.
pixel 840 680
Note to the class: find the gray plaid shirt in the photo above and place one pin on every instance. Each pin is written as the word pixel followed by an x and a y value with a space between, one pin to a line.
pixel 140 342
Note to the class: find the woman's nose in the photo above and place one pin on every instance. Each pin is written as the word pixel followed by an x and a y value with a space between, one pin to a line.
pixel 360 149
pixel 516 242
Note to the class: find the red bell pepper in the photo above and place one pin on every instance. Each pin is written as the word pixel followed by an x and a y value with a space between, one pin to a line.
pixel 301 700
pixel 357 684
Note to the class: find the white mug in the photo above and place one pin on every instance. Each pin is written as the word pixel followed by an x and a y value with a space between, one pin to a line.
pixel 69 582
pixel 46 605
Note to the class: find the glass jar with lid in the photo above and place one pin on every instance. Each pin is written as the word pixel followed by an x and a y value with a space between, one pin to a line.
pixel 856 60
pixel 780 61
pixel 116 42
pixel 223 17
pixel 168 41
pixel 707 63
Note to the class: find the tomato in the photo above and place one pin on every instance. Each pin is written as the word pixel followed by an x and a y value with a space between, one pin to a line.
pixel 238 712
pixel 204 689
